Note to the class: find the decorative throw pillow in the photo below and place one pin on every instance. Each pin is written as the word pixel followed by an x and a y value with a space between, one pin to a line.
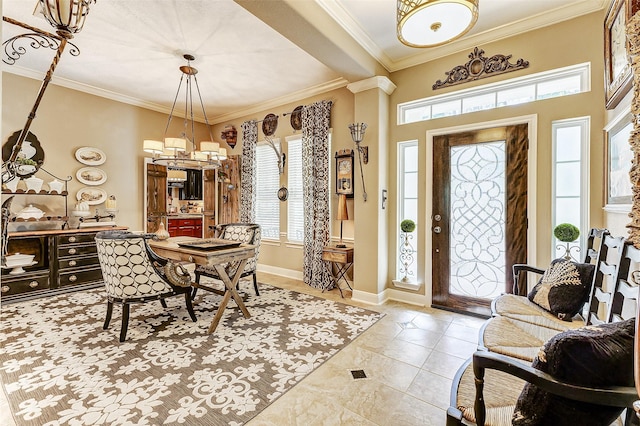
pixel 593 356
pixel 564 288
pixel 177 274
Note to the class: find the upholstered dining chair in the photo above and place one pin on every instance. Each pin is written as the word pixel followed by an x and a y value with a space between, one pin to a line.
pixel 133 273
pixel 248 233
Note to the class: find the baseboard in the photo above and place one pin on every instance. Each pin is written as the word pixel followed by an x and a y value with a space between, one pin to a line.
pixel 282 272
pixel 406 297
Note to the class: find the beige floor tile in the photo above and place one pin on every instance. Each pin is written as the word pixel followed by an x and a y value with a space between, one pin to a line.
pixel 456 347
pixel 443 364
pixel 462 332
pixel 418 336
pixel 431 388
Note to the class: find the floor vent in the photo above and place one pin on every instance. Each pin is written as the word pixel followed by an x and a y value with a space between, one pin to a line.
pixel 358 374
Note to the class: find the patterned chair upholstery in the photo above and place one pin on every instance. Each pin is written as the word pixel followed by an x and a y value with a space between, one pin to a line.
pixel 133 273
pixel 248 233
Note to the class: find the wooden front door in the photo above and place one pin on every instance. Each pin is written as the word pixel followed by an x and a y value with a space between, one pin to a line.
pixel 479 223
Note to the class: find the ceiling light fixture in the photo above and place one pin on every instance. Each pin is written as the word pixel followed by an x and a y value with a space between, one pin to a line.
pixel 181 152
pixel 429 23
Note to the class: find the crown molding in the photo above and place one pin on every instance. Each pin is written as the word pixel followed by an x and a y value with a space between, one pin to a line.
pixel 318 89
pixel 107 94
pixel 378 82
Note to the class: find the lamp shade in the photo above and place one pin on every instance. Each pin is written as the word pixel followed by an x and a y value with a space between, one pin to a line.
pixel 175 144
pixel 153 147
pixel 428 23
pixel 66 15
pixel 176 175
pixel 209 147
pixel 222 154
pixel 343 213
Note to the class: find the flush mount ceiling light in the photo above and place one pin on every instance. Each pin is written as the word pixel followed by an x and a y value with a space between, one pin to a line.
pixel 429 23
pixel 181 152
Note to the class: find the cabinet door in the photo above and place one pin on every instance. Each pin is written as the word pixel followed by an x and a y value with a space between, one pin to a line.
pixel 229 207
pixel 156 195
pixel 209 202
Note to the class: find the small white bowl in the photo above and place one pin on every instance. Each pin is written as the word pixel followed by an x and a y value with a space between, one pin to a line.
pixel 19 260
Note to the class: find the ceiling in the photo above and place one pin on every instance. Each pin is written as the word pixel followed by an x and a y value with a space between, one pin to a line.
pixel 252 55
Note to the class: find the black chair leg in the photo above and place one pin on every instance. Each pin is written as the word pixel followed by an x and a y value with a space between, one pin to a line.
pixel 125 321
pixel 255 284
pixel 187 298
pixel 195 289
pixel 163 303
pixel 107 320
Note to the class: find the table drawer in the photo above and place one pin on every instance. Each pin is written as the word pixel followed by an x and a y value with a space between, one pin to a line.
pixel 79 277
pixel 24 284
pixel 338 255
pixel 81 250
pixel 76 239
pixel 78 262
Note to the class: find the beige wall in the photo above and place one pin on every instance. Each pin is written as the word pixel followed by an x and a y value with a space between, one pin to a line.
pixel 566 43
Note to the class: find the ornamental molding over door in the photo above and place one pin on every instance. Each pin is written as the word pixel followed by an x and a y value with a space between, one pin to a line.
pixel 479 67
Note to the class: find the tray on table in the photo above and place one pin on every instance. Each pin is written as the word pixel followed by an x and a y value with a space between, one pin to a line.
pixel 209 244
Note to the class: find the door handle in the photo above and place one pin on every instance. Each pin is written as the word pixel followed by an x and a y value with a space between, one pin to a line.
pixel 437 229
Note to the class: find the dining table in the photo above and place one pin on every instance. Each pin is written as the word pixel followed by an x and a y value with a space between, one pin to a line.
pixel 214 253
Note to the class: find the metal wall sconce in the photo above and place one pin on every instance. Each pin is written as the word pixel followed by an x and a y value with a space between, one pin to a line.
pixel 357 134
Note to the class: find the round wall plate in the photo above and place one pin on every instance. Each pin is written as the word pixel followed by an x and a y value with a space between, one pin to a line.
pixel 269 124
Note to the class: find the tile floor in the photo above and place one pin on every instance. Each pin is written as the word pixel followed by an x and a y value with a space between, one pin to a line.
pixel 409 358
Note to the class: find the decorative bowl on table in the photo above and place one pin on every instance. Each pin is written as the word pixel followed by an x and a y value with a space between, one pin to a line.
pixel 17 261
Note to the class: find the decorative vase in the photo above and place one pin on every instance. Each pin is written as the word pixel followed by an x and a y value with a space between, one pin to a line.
pixel 56 186
pixel 12 184
pixel 162 233
pixel 34 183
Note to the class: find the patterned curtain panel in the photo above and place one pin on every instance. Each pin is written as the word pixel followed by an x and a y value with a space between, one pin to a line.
pixel 315 185
pixel 247 172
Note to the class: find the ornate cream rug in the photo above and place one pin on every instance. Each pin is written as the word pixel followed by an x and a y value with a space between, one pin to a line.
pixel 58 366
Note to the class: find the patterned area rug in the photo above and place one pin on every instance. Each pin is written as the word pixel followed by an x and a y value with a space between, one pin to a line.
pixel 59 367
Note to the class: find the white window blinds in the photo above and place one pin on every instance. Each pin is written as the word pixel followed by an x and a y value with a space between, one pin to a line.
pixel 268 183
pixel 295 202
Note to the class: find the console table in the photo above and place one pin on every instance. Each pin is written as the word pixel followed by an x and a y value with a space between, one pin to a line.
pixel 65 261
pixel 338 262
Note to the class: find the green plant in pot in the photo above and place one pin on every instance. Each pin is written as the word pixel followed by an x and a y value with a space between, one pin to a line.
pixel 567 233
pixel 407 226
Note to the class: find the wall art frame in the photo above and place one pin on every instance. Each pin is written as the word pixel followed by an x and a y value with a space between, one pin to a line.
pixel 617 63
pixel 618 186
pixel 344 172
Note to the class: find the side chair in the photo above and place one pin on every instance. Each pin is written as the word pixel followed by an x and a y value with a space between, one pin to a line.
pixel 248 233
pixel 133 273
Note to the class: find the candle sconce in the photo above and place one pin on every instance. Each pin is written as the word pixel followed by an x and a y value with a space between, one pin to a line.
pixel 357 134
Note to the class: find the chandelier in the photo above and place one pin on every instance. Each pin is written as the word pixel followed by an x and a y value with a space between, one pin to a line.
pixel 181 152
pixel 429 23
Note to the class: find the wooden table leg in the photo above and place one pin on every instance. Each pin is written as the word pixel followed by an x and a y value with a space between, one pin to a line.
pixel 230 291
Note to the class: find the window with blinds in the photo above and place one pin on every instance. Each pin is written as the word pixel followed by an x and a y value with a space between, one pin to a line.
pixel 268 183
pixel 295 202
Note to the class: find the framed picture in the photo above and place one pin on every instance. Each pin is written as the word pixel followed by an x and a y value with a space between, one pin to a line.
pixel 344 172
pixel 617 69
pixel 619 156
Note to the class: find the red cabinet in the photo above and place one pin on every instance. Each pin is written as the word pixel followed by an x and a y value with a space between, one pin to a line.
pixel 181 227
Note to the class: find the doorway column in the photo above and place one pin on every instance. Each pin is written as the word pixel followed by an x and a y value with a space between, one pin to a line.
pixel 371 222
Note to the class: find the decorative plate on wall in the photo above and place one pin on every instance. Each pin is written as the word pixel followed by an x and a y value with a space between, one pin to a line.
pixel 92 196
pixel 90 156
pixel 269 124
pixel 91 176
pixel 30 150
pixel 296 118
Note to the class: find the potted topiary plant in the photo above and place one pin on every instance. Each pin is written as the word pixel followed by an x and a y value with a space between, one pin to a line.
pixel 567 233
pixel 407 226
